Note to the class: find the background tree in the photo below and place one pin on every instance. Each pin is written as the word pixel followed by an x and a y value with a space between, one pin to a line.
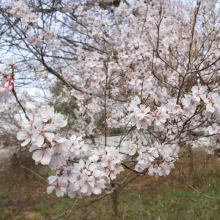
pixel 66 108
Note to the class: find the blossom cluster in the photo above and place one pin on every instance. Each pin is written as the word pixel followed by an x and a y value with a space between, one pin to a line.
pixel 90 176
pixel 84 177
pixel 36 36
pixel 22 11
pixel 7 80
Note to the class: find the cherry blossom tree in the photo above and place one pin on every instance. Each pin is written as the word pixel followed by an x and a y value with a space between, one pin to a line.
pixel 150 67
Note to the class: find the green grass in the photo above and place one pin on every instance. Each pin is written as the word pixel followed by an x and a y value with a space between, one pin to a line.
pixel 167 198
pixel 166 204
pixel 163 204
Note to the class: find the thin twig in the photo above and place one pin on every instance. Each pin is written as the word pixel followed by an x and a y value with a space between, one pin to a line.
pixel 34 173
pixel 67 212
pixel 210 197
pixel 79 207
pixel 16 97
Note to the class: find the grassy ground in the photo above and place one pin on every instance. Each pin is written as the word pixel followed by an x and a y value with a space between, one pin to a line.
pixel 23 197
